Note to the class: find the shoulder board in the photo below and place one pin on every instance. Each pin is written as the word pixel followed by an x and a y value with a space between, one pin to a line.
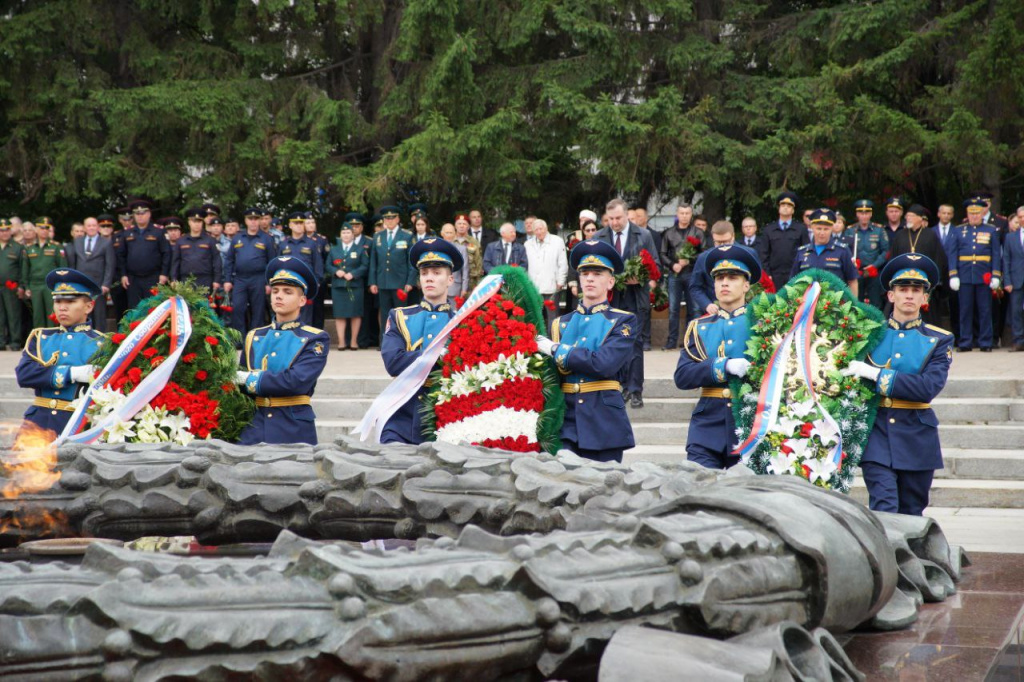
pixel 940 330
pixel 805 247
pixel 410 308
pixel 705 316
pixel 311 330
pixel 619 310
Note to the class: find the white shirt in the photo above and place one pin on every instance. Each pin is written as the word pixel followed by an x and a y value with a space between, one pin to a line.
pixel 547 264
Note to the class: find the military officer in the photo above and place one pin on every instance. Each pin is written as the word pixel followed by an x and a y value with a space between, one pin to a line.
pixel 391 270
pixel 118 292
pixel 210 211
pixel 283 361
pixel 409 329
pixel 11 256
pixel 369 330
pixel 347 265
pixel 245 273
pixel 908 368
pixel 324 246
pixel 144 256
pixel 894 221
pixel 55 362
pixel 196 254
pixel 869 244
pixel 824 253
pixel 306 249
pixel 39 259
pixel 591 345
pixel 975 270
pixel 713 349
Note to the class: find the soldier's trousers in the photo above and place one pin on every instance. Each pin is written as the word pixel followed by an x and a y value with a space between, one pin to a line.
pixel 10 318
pixel 248 295
pixel 140 287
pixel 975 306
pixel 369 332
pixel 388 299
pixel 42 305
pixel 869 290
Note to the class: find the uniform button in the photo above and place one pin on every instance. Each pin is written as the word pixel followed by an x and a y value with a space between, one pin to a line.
pixel 897 355
pixel 586 319
pixel 55 411
pixel 891 420
pixel 433 317
pixel 581 402
pixel 65 353
pixel 583 339
pixel 901 335
pixel 703 326
pixel 70 337
pixel 729 341
pixel 277 333
pixel 729 323
pixel 430 336
pixel 274 354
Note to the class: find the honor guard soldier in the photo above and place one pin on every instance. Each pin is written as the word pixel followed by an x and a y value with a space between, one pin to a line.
pixel 306 249
pixel 55 362
pixel 245 273
pixel 11 256
pixel 870 245
pixel 411 328
pixel 283 361
pixel 391 270
pixel 591 345
pixel 908 368
pixel 39 259
pixel 713 349
pixel 144 256
pixel 824 253
pixel 196 255
pixel 975 271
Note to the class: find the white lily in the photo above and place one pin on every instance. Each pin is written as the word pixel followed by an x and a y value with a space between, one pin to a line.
pixel 175 422
pixel 119 432
pixel 786 425
pixel 781 463
pixel 825 431
pixel 802 409
pixel 820 469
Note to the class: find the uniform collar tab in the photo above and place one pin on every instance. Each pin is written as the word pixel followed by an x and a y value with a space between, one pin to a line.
pixel 583 310
pixel 739 312
pixel 294 324
pixel 440 308
pixel 913 324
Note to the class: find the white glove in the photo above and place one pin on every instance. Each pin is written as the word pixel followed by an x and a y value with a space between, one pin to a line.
pixel 737 366
pixel 82 374
pixel 861 369
pixel 545 345
pixel 954 283
pixel 241 376
pixel 994 284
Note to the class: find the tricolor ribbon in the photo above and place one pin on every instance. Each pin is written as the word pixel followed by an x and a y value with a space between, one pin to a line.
pixel 403 387
pixel 181 329
pixel 769 400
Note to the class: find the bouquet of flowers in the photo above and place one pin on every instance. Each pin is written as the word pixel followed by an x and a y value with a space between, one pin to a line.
pixel 690 249
pixel 659 298
pixel 493 388
pixel 641 267
pixel 817 407
pixel 199 400
pixel 765 285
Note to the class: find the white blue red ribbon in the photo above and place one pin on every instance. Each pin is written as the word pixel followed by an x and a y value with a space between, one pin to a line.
pixel 403 387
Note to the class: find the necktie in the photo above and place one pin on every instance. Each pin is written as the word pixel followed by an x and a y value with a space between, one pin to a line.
pixel 618 242
pixel 783 225
pixel 88 246
pixel 476 236
pixel 750 242
pixel 507 248
pixel 391 235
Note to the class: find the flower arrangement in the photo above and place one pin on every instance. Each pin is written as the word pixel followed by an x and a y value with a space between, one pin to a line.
pixel 659 298
pixel 765 285
pixel 200 399
pixel 689 249
pixel 810 423
pixel 641 268
pixel 493 387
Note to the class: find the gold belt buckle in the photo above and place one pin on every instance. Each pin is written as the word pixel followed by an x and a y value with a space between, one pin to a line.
pixel 886 402
pixel 575 388
pixel 53 403
pixel 726 393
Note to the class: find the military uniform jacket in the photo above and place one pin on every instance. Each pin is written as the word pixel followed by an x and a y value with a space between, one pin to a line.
pixel 408 330
pixel 710 342
pixel 307 250
pixel 355 262
pixel 779 250
pixel 915 360
pixel 389 264
pixel 593 346
pixel 45 367
pixel 144 253
pixel 11 257
pixel 323 245
pixel 38 260
pixel 284 362
pixel 872 244
pixel 249 256
pixel 974 252
pixel 834 258
pixel 196 256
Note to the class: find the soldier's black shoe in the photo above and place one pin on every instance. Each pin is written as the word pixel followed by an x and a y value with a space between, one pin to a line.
pixel 636 400
pixel 986 350
pixel 964 349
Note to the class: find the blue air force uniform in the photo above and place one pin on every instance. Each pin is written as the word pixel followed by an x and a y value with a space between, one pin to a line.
pixel 974 252
pixel 246 268
pixel 903 448
pixel 309 251
pixel 408 330
pixel 591 348
pixel 710 342
pixel 51 353
pixel 281 364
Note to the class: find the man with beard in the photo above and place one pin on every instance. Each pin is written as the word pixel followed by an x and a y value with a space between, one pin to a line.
pixel 916 239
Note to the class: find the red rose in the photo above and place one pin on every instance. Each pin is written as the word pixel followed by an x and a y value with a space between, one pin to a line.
pixel 134 375
pixel 871 271
pixel 693 240
pixel 785 449
pixel 187 358
pixel 118 337
pixel 337 261
pixel 227 388
pixel 805 430
pixel 149 352
pixel 154 291
pixel 226 308
pixel 402 296
pixel 211 340
pixel 550 305
pixel 459 300
pixel 806 470
pixel 924 307
pixel 201 375
pixel 987 278
pixel 53 318
pixel 156 361
pixel 134 324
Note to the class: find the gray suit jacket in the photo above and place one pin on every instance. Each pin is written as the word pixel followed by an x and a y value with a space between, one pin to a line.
pixel 638 239
pixel 100 265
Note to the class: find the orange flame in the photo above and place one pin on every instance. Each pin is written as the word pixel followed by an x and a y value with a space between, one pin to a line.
pixel 29 467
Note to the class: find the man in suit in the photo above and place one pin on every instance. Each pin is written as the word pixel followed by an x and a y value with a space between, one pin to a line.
pixel 480 233
pixel 782 238
pixel 505 251
pixel 943 229
pixel 629 240
pixel 1013 272
pixel 750 239
pixel 93 255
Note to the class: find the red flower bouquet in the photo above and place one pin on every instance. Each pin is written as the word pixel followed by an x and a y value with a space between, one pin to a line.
pixel 642 268
pixel 690 249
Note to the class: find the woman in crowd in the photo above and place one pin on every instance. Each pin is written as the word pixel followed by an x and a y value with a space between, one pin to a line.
pixel 348 265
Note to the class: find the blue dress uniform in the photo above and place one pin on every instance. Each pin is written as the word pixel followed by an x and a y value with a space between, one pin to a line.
pixel 143 256
pixel 51 353
pixel 869 245
pixel 710 342
pixel 307 250
pixel 408 330
pixel 591 348
pixel 197 257
pixel 282 364
pixel 324 246
pixel 391 266
pixel 246 268
pixel 903 449
pixel 832 257
pixel 973 253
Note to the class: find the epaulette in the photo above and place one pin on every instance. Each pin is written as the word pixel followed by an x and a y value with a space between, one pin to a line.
pixel 409 308
pixel 619 310
pixel 311 330
pixel 940 330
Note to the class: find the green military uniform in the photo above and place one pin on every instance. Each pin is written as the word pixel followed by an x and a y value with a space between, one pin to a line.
pixel 475 257
pixel 10 277
pixel 39 260
pixel 870 248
